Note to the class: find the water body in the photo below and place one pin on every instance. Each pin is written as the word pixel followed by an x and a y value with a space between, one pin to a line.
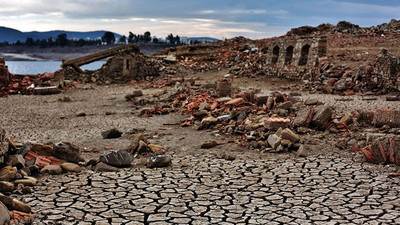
pixel 39 67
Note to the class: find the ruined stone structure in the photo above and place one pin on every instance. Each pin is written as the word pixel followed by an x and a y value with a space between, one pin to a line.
pixel 5 75
pixel 126 63
pixel 303 51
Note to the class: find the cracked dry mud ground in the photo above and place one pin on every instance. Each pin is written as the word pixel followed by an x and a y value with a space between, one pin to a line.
pixel 317 190
pixel 327 187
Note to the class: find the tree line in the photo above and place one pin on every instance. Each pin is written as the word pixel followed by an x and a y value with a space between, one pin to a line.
pixel 108 38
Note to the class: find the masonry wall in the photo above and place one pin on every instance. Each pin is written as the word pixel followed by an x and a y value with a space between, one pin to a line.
pixel 303 51
pixel 5 75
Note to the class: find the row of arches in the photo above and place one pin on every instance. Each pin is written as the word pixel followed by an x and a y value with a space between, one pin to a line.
pixel 289 52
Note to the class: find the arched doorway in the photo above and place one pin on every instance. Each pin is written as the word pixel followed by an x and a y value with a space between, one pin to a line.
pixel 289 55
pixel 304 55
pixel 275 55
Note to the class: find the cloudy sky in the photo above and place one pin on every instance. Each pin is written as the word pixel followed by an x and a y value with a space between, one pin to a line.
pixel 214 18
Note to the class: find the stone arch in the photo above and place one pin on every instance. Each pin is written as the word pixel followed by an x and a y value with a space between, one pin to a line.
pixel 289 55
pixel 305 50
pixel 275 55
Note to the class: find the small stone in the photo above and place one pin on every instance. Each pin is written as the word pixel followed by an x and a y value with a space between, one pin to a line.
pixel 132 148
pixel 285 105
pixel 209 144
pixel 290 135
pixel 155 148
pixel 22 189
pixel 274 141
pixel 4 214
pixel 120 158
pixel 209 121
pixel 347 119
pixel 41 149
pixel 6 186
pixel 52 169
pixel 81 114
pixel 135 93
pixel 64 99
pixel 286 142
pixel 102 167
pixel 142 147
pixel 16 160
pixel 67 151
pixel 20 206
pixel 71 167
pixel 322 116
pixel 302 152
pixel 112 133
pixel 312 101
pixel 28 181
pixel 200 114
pixel 159 161
pixel 7 201
pixel 8 173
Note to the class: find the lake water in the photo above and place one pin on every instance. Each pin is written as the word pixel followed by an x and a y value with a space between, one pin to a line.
pixel 39 67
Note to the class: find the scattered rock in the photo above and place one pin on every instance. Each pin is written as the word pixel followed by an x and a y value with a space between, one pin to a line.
pixel 20 206
pixel 41 149
pixel 155 148
pixel 120 158
pixel 208 121
pixel 7 201
pixel 312 101
pixel 16 160
pixel 28 181
pixel 159 161
pixel 6 186
pixel 290 135
pixel 135 93
pixel 52 169
pixel 71 167
pixel 112 133
pixel 8 173
pixel 102 167
pixel 132 148
pixel 304 117
pixel 226 156
pixel 81 114
pixel 347 119
pixel 64 99
pixel 142 147
pixel 274 141
pixel 4 214
pixel 322 116
pixel 209 144
pixel 67 151
pixel 285 105
pixel 302 152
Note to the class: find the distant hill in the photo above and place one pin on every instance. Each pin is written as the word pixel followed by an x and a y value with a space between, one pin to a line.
pixel 13 35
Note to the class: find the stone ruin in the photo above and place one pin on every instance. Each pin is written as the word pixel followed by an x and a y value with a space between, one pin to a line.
pixel 5 75
pixel 303 51
pixel 126 62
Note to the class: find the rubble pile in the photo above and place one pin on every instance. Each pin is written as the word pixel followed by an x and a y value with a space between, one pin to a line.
pixel 258 120
pixel 380 77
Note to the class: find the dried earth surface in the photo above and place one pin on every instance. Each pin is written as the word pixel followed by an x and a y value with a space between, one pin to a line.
pixel 227 184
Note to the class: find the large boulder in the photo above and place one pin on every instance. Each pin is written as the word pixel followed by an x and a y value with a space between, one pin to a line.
pixel 120 158
pixel 4 214
pixel 322 116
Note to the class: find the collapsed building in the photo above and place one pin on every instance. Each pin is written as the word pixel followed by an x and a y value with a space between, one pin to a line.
pixel 126 62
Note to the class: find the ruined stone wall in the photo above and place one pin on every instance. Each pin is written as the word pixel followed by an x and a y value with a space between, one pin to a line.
pixel 303 51
pixel 5 75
